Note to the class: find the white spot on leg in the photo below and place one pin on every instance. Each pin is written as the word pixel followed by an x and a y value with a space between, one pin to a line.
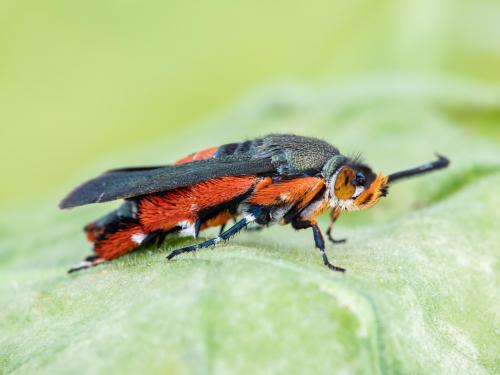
pixel 83 264
pixel 138 238
pixel 249 218
pixel 187 229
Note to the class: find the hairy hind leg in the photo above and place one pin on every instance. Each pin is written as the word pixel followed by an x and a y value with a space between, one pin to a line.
pixel 116 240
pixel 90 261
pixel 214 241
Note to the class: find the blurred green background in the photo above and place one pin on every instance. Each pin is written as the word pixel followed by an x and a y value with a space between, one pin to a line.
pixel 82 79
pixel 90 85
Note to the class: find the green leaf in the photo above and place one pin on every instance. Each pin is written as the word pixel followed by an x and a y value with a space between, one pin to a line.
pixel 420 294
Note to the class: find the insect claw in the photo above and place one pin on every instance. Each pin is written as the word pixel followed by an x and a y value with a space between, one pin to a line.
pixel 335 268
pixel 333 240
pixel 174 253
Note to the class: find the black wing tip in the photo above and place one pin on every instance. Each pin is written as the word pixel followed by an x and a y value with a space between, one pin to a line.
pixel 76 198
pixel 89 192
pixel 81 197
pixel 63 205
pixel 68 203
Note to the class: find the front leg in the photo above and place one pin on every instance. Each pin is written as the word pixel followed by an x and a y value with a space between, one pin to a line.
pixel 318 241
pixel 334 215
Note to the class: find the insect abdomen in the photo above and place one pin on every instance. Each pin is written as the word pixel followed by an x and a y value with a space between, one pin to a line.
pixel 182 206
pixel 127 237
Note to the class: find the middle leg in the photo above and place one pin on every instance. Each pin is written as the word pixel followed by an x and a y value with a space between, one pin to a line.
pixel 318 241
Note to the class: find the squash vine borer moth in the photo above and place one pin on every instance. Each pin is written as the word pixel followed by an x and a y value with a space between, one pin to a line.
pixel 285 179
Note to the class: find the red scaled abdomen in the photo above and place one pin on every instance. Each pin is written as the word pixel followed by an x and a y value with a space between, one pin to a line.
pixel 167 210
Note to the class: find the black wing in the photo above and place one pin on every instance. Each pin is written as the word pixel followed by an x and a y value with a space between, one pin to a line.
pixel 127 184
pixel 136 169
pixel 286 155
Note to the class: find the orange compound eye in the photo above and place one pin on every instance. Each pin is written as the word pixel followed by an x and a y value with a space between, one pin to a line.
pixel 344 184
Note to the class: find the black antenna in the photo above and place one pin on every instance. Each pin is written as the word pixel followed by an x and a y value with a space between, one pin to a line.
pixel 441 162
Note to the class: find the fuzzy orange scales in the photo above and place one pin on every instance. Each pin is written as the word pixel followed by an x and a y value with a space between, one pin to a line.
pixel 119 243
pixel 164 211
pixel 288 191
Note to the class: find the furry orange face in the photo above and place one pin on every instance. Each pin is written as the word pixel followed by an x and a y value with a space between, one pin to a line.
pixel 356 187
pixel 371 195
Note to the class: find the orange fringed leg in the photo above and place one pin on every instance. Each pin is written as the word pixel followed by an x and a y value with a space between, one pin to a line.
pixel 334 215
pixel 107 246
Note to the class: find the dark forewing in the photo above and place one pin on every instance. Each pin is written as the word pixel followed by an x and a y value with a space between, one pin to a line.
pixel 131 183
pixel 286 155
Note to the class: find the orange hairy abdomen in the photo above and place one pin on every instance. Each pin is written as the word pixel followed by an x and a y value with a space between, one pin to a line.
pixel 287 192
pixel 167 210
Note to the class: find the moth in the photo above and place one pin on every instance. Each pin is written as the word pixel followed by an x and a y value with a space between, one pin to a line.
pixel 278 179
